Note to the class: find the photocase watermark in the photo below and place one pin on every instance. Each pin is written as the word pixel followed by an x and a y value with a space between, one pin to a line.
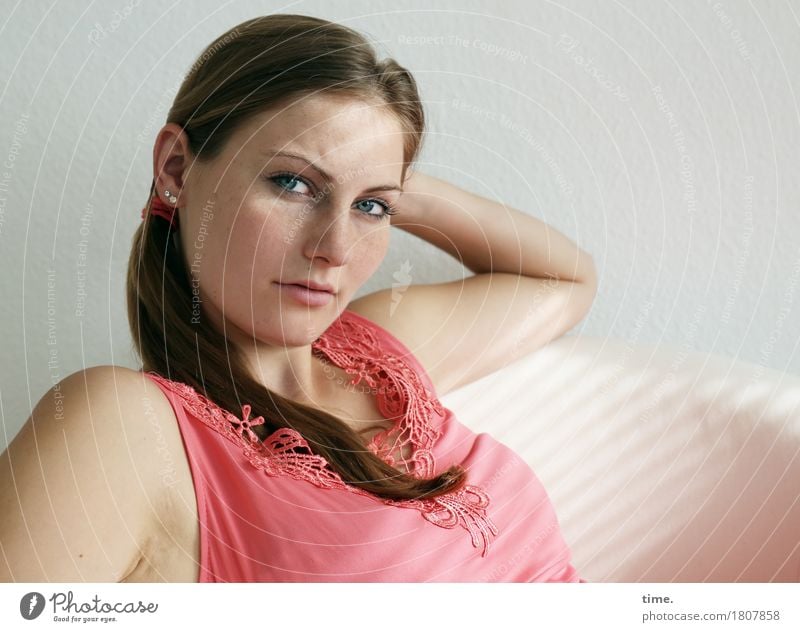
pixel 630 346
pixel 533 318
pixel 52 345
pixel 775 333
pixel 400 284
pixel 206 217
pixel 561 180
pixel 321 195
pixel 81 263
pixel 32 606
pixel 475 110
pixel 5 179
pixel 100 32
pixel 521 555
pixel 298 222
pixel 736 36
pixel 679 358
pixel 157 115
pixel 357 383
pixel 744 256
pixel 568 44
pixel 168 472
pixel 511 463
pixel 20 129
pixel 686 162
pixel 525 134
pixel 509 54
pixel 208 54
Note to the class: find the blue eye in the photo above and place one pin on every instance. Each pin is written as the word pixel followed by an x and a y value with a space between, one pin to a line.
pixel 388 209
pixel 288 177
pixel 291 178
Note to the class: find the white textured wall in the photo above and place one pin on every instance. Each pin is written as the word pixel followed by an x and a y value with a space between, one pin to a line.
pixel 661 136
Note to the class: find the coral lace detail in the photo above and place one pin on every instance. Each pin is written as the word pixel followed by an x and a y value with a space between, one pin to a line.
pixel 401 395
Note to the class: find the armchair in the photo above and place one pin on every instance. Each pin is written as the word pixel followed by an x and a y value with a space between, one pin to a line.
pixel 664 465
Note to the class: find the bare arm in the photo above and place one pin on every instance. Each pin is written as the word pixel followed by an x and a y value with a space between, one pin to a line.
pixel 76 500
pixel 532 284
pixel 489 236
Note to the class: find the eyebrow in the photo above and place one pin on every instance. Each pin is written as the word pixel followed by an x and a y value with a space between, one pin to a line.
pixel 274 152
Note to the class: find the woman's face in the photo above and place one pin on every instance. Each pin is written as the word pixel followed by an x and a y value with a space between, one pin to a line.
pixel 252 219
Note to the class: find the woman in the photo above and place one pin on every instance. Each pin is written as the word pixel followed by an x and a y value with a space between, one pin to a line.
pixel 279 430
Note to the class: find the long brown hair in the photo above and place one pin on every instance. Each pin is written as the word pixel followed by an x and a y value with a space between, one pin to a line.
pixel 252 67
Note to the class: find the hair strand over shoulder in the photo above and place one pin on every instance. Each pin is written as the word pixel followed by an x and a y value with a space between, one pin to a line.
pixel 255 66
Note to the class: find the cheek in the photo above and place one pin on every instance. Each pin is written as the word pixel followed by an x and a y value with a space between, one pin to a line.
pixel 369 254
pixel 256 249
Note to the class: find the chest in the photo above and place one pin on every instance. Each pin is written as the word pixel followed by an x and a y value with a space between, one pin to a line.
pixel 175 554
pixel 362 414
pixel 357 406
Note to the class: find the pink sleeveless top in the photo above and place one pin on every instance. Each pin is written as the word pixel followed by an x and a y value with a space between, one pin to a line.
pixel 274 511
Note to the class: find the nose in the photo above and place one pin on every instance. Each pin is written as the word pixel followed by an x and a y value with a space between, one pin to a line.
pixel 331 236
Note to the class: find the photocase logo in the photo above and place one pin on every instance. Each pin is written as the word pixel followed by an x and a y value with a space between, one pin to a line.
pixel 31 605
pixel 66 609
pixel 402 279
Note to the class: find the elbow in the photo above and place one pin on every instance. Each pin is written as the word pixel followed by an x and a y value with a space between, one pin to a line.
pixel 588 273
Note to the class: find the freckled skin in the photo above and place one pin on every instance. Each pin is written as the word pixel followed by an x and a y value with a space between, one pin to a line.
pixel 260 233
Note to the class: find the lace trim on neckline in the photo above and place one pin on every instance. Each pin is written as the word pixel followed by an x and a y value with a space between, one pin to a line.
pixel 353 347
pixel 400 394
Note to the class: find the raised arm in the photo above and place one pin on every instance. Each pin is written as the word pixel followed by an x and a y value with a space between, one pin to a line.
pixel 531 285
pixel 78 499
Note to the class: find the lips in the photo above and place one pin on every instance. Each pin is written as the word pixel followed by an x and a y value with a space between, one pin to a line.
pixel 300 293
pixel 312 285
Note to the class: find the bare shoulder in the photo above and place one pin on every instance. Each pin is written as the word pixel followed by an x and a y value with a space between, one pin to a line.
pixel 79 484
pixel 407 318
pixel 463 330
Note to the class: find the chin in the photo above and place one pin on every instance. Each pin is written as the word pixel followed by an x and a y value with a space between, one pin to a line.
pixel 297 327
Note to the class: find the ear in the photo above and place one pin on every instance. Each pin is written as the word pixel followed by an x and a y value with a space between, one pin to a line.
pixel 171 157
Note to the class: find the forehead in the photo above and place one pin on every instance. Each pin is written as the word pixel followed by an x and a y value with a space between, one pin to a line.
pixel 333 132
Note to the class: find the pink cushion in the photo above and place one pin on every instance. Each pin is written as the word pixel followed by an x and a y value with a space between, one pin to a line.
pixel 663 465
